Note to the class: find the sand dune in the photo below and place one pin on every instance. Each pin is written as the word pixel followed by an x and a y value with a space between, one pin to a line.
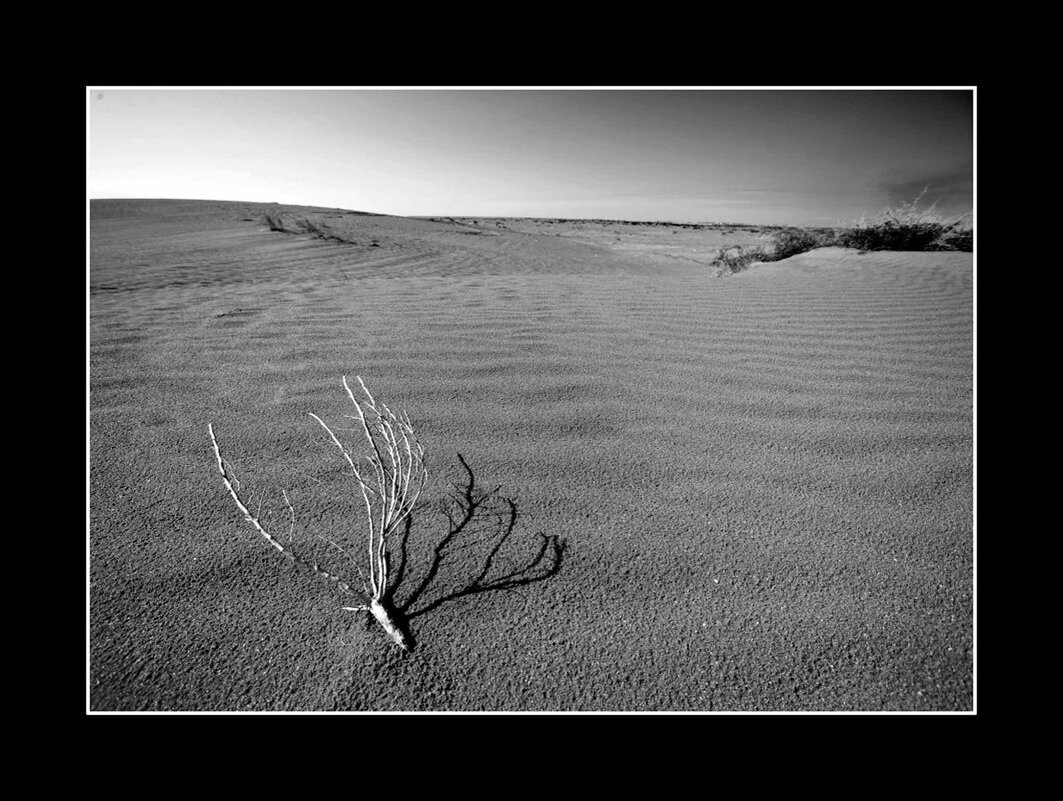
pixel 763 482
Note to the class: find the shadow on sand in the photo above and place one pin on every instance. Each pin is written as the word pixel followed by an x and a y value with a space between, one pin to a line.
pixel 480 523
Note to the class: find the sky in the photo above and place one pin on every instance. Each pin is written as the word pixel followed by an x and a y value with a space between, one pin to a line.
pixel 761 156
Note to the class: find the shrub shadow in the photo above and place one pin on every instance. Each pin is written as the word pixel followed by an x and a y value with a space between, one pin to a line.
pixel 479 525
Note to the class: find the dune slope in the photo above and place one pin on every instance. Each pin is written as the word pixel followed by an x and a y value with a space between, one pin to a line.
pixel 763 483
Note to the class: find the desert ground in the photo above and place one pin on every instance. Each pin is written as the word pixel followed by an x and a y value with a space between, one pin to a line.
pixel 650 489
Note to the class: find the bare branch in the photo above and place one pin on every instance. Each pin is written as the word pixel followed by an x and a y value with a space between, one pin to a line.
pixel 227 480
pixel 388 495
pixel 291 528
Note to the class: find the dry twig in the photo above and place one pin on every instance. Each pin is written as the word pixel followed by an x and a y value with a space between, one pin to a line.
pixel 389 480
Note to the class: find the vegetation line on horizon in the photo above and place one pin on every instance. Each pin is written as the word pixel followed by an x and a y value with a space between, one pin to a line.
pixel 903 227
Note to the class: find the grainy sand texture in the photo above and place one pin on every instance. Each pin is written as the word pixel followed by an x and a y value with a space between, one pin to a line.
pixel 687 493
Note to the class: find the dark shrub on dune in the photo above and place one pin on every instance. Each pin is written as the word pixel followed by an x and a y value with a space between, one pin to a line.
pixel 735 259
pixel 907 227
pixel 791 241
pixel 784 244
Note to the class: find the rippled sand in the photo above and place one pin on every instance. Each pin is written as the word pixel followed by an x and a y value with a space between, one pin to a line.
pixel 763 482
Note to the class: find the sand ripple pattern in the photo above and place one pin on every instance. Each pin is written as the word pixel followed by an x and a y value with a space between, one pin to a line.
pixel 765 481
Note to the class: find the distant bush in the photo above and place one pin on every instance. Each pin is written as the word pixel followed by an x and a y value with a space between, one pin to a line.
pixel 791 241
pixel 960 238
pixel 321 231
pixel 312 228
pixel 308 226
pixel 736 258
pixel 907 227
pixel 784 244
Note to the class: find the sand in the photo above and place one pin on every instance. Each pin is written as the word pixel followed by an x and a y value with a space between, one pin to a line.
pixel 763 483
